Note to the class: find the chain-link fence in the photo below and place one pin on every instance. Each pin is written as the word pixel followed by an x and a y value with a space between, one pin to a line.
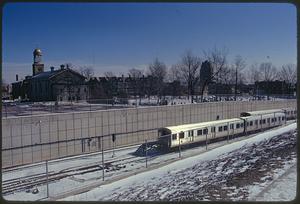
pixel 17 108
pixel 34 138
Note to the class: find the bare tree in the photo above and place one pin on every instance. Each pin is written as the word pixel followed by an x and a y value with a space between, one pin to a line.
pixel 174 73
pixel 135 73
pixel 269 73
pixel 109 74
pixel 254 74
pixel 288 73
pixel 136 77
pixel 218 61
pixel 189 71
pixel 87 71
pixel 239 65
pixel 157 70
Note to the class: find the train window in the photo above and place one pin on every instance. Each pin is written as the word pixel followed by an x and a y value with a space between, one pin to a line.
pixel 275 119
pixel 191 133
pixel 220 128
pixel 251 123
pixel 237 125
pixel 279 118
pixel 242 124
pixel 282 118
pixel 268 120
pixel 174 136
pixel 260 121
pixel 264 121
pixel 231 126
pixel 199 132
pixel 205 131
pixel 288 112
pixel 225 127
pixel 256 122
pixel 295 112
pixel 181 135
pixel 213 129
pixel 272 120
pixel 247 124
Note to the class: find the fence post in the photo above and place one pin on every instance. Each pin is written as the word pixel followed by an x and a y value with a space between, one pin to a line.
pixel 47 179
pixel 113 140
pixel 206 139
pixel 228 132
pixel 180 144
pixel 102 158
pixel 146 154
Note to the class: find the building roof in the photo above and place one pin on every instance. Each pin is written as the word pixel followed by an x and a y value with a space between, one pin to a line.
pixel 46 75
pixel 50 74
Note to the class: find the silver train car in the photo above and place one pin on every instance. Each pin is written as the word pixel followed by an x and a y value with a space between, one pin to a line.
pixel 169 137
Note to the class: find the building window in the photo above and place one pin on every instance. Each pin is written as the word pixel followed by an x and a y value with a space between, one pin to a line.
pixel 199 132
pixel 174 137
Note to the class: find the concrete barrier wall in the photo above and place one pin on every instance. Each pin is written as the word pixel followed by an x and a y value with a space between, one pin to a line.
pixel 30 139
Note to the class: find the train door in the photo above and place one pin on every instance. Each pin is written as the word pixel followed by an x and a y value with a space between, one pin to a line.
pixel 191 135
pixel 213 131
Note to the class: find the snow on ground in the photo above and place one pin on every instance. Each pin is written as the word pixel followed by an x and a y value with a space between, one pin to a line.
pixel 237 171
pixel 282 189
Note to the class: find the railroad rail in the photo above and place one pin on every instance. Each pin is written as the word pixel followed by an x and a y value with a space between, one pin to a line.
pixel 28 182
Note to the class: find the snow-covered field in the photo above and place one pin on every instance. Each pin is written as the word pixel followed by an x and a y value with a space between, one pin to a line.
pixel 237 171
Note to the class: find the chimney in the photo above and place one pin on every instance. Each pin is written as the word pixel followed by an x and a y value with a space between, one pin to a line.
pixel 17 77
pixel 52 69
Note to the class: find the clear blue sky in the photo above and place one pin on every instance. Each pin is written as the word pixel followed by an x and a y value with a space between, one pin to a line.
pixel 116 37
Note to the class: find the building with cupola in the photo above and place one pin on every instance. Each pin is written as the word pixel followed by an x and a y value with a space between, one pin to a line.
pixel 60 84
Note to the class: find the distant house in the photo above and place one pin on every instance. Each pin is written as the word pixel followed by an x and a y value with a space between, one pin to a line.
pixel 63 84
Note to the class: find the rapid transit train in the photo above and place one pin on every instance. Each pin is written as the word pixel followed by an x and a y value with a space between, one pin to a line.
pixel 248 122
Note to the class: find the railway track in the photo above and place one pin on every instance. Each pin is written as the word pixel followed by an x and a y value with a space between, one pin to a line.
pixel 29 182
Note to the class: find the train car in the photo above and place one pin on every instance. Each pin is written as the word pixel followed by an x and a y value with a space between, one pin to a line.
pixel 169 137
pixel 264 121
pixel 291 113
pixel 261 112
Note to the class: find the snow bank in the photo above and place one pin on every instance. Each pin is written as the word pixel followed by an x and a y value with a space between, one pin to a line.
pixel 105 191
